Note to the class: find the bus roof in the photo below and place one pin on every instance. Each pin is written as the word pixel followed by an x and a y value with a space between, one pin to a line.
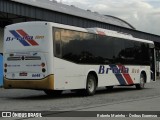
pixel 118 34
pixel 89 30
pixel 103 32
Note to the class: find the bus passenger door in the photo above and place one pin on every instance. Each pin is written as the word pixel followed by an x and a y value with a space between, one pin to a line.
pixel 152 64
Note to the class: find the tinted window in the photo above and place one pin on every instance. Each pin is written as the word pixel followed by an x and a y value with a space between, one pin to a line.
pixel 143 54
pixel 74 46
pixel 118 50
pixel 129 52
pixel 99 50
pixel 86 48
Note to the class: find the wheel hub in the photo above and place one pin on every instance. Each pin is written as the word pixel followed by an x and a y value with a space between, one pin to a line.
pixel 91 85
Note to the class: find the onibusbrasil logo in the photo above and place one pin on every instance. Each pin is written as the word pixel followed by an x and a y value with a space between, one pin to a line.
pixel 21 114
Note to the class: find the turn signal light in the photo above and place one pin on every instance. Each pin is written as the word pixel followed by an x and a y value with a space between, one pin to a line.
pixel 5 65
pixel 43 64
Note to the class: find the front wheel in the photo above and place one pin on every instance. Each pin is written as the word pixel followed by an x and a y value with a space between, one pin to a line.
pixel 142 82
pixel 91 85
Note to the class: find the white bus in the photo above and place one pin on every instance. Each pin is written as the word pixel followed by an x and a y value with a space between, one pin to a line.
pixel 54 57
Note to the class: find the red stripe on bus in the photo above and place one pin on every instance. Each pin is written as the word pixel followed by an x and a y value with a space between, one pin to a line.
pixel 23 34
pixel 127 76
pixel 101 33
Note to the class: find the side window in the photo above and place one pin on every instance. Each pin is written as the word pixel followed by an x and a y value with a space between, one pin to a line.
pixel 88 48
pixel 129 52
pixel 98 49
pixel 104 49
pixel 141 52
pixel 71 45
pixel 145 58
pixel 118 50
pixel 57 42
pixel 75 46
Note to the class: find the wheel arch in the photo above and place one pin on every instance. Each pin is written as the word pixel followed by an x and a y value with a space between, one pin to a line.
pixel 145 75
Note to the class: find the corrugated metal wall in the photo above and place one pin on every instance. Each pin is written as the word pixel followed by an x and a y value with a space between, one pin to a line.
pixel 47 15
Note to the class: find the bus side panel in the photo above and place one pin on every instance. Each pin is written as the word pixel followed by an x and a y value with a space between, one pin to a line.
pixel 73 76
pixel 105 77
pixel 135 71
pixel 112 75
pixel 68 75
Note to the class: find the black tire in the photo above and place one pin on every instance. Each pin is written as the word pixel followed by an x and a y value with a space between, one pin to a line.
pixel 109 88
pixel 91 85
pixel 142 83
pixel 53 93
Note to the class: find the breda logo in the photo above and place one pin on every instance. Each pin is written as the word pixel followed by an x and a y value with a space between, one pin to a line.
pixel 22 37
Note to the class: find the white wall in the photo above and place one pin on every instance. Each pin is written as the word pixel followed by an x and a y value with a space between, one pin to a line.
pixel 1 40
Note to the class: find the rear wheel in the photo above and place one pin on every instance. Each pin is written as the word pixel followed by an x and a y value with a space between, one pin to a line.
pixel 91 85
pixel 53 93
pixel 142 82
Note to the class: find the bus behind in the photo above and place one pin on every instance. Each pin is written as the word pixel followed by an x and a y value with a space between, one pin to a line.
pixel 26 56
pixel 55 57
